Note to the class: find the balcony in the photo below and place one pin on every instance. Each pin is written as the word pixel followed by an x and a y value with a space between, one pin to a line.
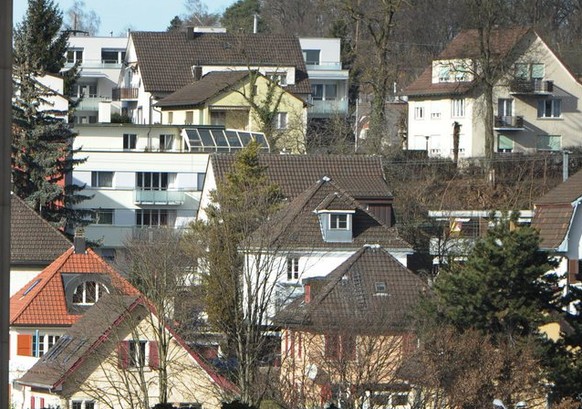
pixel 324 108
pixel 159 197
pixel 97 64
pixel 125 94
pixel 508 123
pixel 532 86
pixel 332 66
pixel 90 103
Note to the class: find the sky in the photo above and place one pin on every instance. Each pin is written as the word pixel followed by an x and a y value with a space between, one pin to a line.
pixel 119 15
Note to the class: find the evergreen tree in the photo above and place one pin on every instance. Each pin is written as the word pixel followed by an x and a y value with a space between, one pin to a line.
pixel 42 154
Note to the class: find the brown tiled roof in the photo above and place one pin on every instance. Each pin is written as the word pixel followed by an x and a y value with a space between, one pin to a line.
pixel 165 58
pixel 465 45
pixel 552 223
pixel 207 87
pixel 42 302
pixel 32 239
pixel 348 296
pixel 298 226
pixel 100 325
pixel 567 192
pixel 361 176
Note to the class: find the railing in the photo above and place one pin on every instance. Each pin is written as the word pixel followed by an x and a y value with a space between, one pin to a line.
pixel 159 197
pixel 533 86
pixel 508 122
pixel 91 103
pixel 125 93
pixel 328 107
pixel 324 66
pixel 103 64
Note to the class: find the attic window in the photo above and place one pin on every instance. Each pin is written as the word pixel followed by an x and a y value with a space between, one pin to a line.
pixel 29 289
pixel 380 287
pixel 89 292
pixel 338 221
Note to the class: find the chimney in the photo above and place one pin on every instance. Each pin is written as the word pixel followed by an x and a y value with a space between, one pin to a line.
pixel 255 23
pixel 79 242
pixel 307 293
pixel 196 72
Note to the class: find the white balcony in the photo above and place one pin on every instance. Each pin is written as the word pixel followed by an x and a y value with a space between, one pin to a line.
pixel 159 197
pixel 323 108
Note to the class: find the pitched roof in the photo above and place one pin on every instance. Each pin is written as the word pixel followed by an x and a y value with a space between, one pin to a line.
pixel 94 329
pixel 360 176
pixel 43 302
pixel 297 225
pixel 465 45
pixel 567 192
pixel 371 292
pixel 208 86
pixel 165 58
pixel 33 240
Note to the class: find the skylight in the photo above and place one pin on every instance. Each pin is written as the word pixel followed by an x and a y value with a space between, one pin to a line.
pixel 218 139
pixel 29 289
pixel 380 287
pixel 57 348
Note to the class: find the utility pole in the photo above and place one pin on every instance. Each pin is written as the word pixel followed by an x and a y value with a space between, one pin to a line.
pixel 5 149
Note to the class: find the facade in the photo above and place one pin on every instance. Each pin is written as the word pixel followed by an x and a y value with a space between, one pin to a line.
pixel 101 60
pixel 231 99
pixel 148 77
pixel 144 176
pixel 329 82
pixel 347 339
pixel 112 358
pixel 43 309
pixel 534 101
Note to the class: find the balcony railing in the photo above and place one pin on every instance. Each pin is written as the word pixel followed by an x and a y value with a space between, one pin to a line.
pixel 124 94
pixel 508 122
pixel 103 64
pixel 328 107
pixel 91 103
pixel 533 86
pixel 159 197
pixel 323 66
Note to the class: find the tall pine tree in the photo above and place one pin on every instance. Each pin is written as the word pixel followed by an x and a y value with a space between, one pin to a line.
pixel 42 154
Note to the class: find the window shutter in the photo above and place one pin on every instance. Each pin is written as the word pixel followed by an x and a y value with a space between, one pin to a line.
pixel 154 360
pixel 572 271
pixel 123 354
pixel 24 345
pixel 42 402
pixel 32 402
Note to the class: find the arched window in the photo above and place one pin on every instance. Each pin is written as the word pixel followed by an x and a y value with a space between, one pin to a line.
pixel 89 292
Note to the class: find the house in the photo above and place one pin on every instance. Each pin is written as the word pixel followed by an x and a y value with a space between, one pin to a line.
pixel 557 217
pixel 315 233
pixel 148 77
pixel 535 100
pixel 347 339
pixel 43 309
pixel 329 82
pixel 112 357
pixel 34 243
pixel 100 60
pixel 144 176
pixel 235 99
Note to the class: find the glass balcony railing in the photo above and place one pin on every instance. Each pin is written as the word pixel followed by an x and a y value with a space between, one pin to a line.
pixel 91 103
pixel 159 197
pixel 328 107
pixel 323 66
pixel 102 64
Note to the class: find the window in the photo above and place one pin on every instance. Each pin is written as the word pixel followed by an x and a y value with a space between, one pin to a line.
pixel 549 142
pixel 200 181
pixel 85 90
pixel 504 144
pixel 526 71
pixel 103 216
pixel 112 56
pixel 189 117
pixel 418 112
pixel 41 343
pixel 331 346
pixel 549 108
pixel 292 268
pixel 324 92
pixel 330 92
pixel 278 77
pixel 380 287
pixel 218 118
pixel 74 56
pixel 280 120
pixel 435 115
pixel 88 293
pixel 137 354
pixel 166 142
pixel 101 179
pixel 129 141
pixel 505 107
pixel 317 92
pixel 152 217
pixel 170 117
pixel 458 108
pixel 337 346
pixel 154 180
pixel 83 404
pixel 444 73
pixel 338 221
pixel 311 57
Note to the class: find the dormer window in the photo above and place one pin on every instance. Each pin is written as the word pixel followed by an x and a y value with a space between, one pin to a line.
pixel 88 293
pixel 338 221
pixel 380 287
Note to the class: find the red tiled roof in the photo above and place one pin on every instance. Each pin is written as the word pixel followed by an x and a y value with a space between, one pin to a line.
pixel 42 302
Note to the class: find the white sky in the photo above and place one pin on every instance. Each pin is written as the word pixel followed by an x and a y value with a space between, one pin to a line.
pixel 119 15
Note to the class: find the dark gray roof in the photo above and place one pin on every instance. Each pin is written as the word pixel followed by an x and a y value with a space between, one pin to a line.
pixel 32 239
pixel 370 293
pixel 165 58
pixel 298 226
pixel 361 176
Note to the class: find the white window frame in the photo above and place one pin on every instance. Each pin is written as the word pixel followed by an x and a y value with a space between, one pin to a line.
pixel 458 108
pixel 161 215
pixel 555 104
pixel 336 220
pixel 74 55
pixel 98 216
pixel 99 288
pixel 419 113
pixel 102 179
pixel 83 404
pixel 281 120
pixel 129 141
pixel 292 268
pixel 166 142
pixel 44 342
pixel 137 357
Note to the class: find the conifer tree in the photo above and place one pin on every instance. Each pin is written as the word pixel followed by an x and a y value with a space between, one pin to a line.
pixel 42 154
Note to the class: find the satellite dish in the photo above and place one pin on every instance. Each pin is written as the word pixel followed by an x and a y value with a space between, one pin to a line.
pixel 311 371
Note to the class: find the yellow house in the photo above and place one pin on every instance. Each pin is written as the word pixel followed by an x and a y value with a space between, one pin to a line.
pixel 115 356
pixel 242 99
pixel 347 340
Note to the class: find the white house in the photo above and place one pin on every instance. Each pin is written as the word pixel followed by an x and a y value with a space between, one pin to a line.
pixel 101 59
pixel 536 100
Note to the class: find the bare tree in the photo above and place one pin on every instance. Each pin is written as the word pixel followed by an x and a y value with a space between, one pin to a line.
pixel 78 18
